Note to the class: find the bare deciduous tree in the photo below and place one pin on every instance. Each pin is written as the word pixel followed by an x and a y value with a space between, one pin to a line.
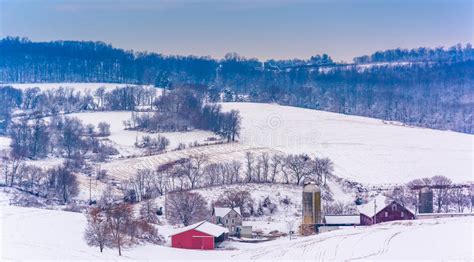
pixel 323 167
pixel 235 198
pixel 441 193
pixel 193 168
pixel 148 212
pixel 249 167
pixel 265 165
pixel 64 183
pixel 298 167
pixel 186 208
pixel 275 167
pixel 97 231
pixel 119 218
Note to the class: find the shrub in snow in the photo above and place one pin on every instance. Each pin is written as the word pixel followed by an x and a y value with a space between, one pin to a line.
pixel 267 203
pixel 148 212
pixel 104 129
pixel 153 145
pixel 285 201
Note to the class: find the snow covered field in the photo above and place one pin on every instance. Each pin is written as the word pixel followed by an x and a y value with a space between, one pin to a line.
pixel 436 239
pixel 363 149
pixel 38 234
pixel 124 168
pixel 124 140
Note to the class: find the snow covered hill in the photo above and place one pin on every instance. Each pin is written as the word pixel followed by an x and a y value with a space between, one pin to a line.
pixel 38 234
pixel 363 149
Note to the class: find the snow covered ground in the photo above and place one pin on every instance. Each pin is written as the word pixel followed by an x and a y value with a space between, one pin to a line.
pixel 38 234
pixel 435 240
pixel 363 149
pixel 4 142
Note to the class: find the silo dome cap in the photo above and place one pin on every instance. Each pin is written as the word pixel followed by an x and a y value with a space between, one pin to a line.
pixel 311 187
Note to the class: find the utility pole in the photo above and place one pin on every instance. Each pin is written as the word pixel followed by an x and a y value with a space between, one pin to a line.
pixel 375 210
pixel 90 189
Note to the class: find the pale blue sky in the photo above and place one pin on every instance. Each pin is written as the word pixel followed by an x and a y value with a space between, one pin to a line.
pixel 262 28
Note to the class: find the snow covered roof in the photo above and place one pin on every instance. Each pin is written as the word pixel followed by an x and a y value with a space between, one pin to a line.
pixel 222 211
pixel 204 227
pixel 373 207
pixel 342 219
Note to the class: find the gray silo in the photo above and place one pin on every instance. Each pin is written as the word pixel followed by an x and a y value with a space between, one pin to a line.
pixel 311 204
pixel 426 200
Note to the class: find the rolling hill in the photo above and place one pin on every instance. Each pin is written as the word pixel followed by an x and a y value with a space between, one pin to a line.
pixel 363 149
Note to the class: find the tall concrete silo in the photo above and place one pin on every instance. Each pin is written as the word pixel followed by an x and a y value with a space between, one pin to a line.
pixel 426 200
pixel 311 208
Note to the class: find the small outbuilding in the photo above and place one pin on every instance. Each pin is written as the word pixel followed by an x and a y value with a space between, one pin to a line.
pixel 231 218
pixel 202 235
pixel 334 222
pixel 376 211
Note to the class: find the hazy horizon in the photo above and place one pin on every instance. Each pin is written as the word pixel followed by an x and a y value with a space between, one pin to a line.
pixel 255 29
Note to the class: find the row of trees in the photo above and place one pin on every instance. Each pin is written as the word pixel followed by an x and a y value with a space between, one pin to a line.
pixel 61 136
pixel 197 172
pixel 56 184
pixel 456 53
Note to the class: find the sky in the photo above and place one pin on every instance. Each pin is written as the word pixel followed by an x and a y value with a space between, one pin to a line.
pixel 263 29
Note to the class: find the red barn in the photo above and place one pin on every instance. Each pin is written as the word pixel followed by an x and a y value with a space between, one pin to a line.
pixel 202 235
pixel 377 212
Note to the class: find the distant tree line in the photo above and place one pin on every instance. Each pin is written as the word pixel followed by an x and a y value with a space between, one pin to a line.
pixel 456 53
pixel 432 89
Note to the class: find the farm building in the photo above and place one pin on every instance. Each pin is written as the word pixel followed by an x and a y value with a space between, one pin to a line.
pixel 202 235
pixel 333 222
pixel 230 218
pixel 377 211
